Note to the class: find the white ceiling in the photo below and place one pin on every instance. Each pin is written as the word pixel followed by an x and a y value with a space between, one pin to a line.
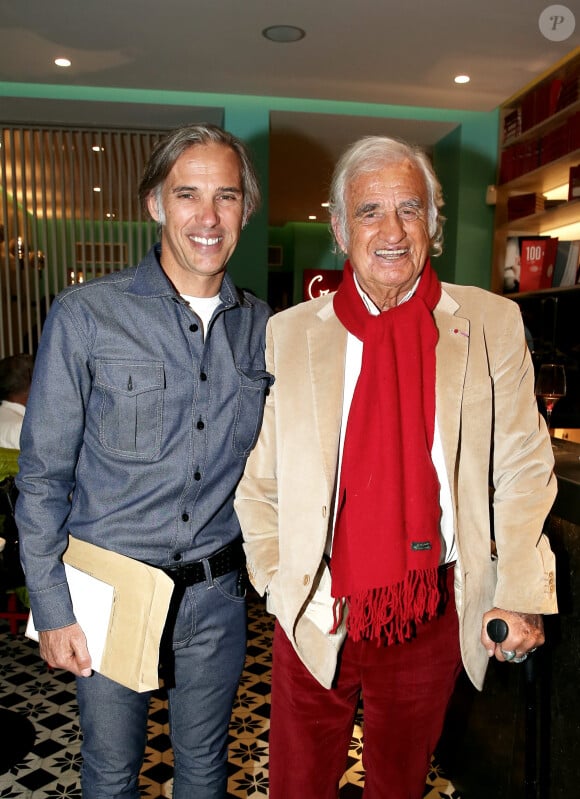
pixel 371 51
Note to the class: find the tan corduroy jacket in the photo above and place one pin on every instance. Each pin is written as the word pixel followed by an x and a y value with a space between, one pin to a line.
pixel 497 453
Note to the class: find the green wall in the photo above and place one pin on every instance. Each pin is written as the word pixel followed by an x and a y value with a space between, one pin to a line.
pixel 248 265
pixel 305 245
pixel 465 162
pixel 446 162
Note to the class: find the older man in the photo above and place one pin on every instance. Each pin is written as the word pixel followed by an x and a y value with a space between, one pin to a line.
pixel 147 397
pixel 365 505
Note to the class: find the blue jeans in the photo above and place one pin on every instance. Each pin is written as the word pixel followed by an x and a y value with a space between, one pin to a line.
pixel 203 669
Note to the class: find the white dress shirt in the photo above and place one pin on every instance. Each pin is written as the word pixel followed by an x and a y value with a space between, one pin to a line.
pixel 11 417
pixel 320 608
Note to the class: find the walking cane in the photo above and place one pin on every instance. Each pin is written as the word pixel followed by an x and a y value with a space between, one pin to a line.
pixel 497 630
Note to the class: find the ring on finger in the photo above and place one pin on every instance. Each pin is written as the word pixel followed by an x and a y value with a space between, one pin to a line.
pixel 520 659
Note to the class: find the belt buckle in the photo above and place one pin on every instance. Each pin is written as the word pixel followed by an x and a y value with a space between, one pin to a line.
pixel 177 575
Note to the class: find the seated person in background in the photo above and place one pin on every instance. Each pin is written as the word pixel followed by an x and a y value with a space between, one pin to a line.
pixel 15 376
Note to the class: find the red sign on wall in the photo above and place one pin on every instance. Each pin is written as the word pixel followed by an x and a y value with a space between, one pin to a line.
pixel 317 282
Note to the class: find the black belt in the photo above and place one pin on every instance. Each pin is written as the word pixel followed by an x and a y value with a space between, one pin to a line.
pixel 228 559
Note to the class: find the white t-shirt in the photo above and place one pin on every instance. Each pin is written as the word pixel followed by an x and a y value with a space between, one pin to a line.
pixel 203 307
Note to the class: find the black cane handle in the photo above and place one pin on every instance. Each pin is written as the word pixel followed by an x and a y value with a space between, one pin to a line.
pixel 497 630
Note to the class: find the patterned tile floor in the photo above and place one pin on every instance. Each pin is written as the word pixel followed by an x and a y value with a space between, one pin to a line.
pixel 51 769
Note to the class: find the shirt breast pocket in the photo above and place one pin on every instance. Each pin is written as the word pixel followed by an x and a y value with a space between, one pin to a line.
pixel 131 417
pixel 253 387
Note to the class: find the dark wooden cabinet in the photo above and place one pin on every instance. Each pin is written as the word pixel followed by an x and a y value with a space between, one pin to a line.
pixel 552 320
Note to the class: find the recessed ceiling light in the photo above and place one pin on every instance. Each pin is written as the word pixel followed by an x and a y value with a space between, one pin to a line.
pixel 462 79
pixel 312 217
pixel 283 33
pixel 325 205
pixel 96 188
pixel 96 148
pixel 62 62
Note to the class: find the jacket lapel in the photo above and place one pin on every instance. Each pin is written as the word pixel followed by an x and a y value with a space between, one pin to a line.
pixel 326 351
pixel 452 352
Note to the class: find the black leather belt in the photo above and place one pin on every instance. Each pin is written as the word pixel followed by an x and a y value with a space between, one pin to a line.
pixel 228 559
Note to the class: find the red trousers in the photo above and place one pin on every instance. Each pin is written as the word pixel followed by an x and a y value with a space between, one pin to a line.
pixel 406 689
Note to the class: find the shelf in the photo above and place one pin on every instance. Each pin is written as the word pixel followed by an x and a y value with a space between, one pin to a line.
pixel 545 125
pixel 542 178
pixel 565 214
pixel 545 177
pixel 519 295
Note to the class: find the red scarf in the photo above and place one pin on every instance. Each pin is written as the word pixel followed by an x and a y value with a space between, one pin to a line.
pixel 386 545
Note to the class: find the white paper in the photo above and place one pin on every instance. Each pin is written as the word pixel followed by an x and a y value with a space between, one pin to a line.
pixel 92 603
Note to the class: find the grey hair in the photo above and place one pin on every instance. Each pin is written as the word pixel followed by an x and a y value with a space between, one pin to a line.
pixel 167 151
pixel 372 153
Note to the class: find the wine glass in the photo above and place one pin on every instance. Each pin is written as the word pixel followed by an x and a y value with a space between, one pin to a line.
pixel 551 386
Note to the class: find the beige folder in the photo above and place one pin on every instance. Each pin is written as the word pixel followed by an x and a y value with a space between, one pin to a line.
pixel 140 600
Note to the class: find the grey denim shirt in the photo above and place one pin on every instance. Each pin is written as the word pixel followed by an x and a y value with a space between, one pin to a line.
pixel 137 430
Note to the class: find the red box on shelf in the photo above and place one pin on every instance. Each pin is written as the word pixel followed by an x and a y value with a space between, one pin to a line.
pixel 537 257
pixel 518 159
pixel 555 144
pixel 529 114
pixel 524 205
pixel 574 132
pixel 556 86
pixel 570 91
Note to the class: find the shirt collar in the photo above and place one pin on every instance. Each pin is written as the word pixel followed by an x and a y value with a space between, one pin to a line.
pixel 150 280
pixel 369 304
pixel 17 407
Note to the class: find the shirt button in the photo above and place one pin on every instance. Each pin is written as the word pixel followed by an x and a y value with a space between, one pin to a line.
pixel 194 328
pixel 306 579
pixel 200 425
pixel 177 557
pixel 197 476
pixel 202 376
pixel 185 517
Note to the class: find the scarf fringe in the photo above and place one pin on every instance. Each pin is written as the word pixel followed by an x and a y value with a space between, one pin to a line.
pixel 390 614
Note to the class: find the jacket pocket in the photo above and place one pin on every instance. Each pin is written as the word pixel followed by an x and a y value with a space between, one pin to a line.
pixel 132 407
pixel 253 387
